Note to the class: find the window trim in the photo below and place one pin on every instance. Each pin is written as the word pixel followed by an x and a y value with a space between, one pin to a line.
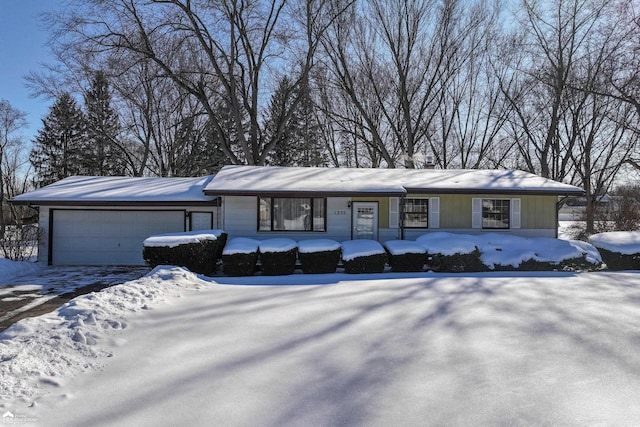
pixel 271 214
pixel 404 213
pixel 509 214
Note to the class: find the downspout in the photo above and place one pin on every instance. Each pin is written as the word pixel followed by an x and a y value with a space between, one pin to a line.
pixel 401 214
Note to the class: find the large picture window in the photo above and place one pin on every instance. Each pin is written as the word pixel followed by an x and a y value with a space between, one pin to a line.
pixel 496 213
pixel 291 214
pixel 416 213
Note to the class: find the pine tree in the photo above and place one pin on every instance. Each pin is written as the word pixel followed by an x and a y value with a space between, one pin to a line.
pixel 57 151
pixel 299 143
pixel 102 156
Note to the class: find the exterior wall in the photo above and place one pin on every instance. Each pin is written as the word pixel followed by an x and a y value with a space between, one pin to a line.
pixel 538 217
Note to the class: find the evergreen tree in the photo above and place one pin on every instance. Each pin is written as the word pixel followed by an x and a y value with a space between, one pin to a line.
pixel 102 155
pixel 300 142
pixel 57 151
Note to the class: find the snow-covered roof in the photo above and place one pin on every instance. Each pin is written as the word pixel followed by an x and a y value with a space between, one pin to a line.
pixel 252 180
pixel 118 190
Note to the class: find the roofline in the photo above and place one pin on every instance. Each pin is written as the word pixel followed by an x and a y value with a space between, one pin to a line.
pixel 281 193
pixel 118 203
pixel 549 192
pixel 473 191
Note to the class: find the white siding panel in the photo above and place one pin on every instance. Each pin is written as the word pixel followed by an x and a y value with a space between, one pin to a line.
pixel 107 237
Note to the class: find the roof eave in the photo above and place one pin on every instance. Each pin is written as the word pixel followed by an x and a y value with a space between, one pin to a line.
pixel 115 203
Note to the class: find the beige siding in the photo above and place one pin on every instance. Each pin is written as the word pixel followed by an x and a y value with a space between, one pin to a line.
pixel 538 212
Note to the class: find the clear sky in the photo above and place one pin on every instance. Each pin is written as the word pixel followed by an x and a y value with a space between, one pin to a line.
pixel 22 49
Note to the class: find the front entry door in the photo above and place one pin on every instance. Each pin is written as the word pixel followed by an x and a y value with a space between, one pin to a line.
pixel 365 220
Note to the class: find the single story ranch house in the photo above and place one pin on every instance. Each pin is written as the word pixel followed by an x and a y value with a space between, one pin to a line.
pixel 104 220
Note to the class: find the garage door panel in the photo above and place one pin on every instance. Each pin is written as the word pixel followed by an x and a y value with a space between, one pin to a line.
pixel 95 237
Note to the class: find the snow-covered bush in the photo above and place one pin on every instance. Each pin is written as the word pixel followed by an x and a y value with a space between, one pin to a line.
pixel 363 256
pixel 278 256
pixel 319 256
pixel 405 255
pixel 449 252
pixel 240 256
pixel 495 251
pixel 196 250
pixel 620 250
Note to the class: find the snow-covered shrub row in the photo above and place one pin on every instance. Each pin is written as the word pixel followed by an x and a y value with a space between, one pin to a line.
pixel 198 251
pixel 494 251
pixel 620 250
pixel 406 255
pixel 363 256
pixel 278 256
pixel 319 256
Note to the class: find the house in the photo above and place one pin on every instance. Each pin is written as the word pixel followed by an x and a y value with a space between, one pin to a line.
pixel 103 220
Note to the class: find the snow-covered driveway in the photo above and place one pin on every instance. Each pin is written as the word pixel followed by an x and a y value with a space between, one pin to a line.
pixel 379 350
pixel 42 289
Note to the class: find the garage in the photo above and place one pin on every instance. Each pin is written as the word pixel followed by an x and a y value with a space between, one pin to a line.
pixel 107 237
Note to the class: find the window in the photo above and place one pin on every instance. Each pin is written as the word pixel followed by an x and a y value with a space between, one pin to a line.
pixel 496 213
pixel 291 214
pixel 416 213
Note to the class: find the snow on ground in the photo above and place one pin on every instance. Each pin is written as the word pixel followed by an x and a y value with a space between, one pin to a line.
pixel 386 349
pixel 10 269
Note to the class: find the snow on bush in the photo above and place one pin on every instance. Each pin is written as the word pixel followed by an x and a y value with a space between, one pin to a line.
pixel 278 256
pixel 240 256
pixel 363 256
pixel 622 242
pixel 405 255
pixel 505 251
pixel 620 249
pixel 196 250
pixel 319 256
pixel 171 240
pixel 39 352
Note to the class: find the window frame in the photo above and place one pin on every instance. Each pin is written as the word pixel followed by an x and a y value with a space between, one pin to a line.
pixel 426 202
pixel 508 213
pixel 312 203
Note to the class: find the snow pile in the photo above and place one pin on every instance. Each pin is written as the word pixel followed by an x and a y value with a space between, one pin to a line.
pixel 508 250
pixel 402 247
pixel 241 245
pixel 622 242
pixel 9 269
pixel 42 351
pixel 317 245
pixel 277 245
pixel 352 249
pixel 171 240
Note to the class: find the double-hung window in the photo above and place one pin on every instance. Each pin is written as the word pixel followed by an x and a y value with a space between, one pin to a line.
pixel 291 214
pixel 416 213
pixel 495 214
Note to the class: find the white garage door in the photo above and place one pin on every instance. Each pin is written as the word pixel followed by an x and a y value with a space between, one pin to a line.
pixel 95 237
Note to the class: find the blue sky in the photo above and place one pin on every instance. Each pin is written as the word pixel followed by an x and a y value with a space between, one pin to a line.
pixel 22 49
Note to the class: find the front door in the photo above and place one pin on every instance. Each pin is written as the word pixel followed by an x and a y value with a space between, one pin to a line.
pixel 365 220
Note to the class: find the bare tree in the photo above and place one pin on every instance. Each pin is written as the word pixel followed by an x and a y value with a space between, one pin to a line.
pixel 12 121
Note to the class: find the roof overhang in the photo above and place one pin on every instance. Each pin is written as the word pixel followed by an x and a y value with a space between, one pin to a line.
pixel 112 203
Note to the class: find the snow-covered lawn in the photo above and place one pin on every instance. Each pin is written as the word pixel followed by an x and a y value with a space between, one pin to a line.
pixel 306 350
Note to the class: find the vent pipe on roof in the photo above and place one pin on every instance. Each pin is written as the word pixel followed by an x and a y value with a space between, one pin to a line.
pixel 430 164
